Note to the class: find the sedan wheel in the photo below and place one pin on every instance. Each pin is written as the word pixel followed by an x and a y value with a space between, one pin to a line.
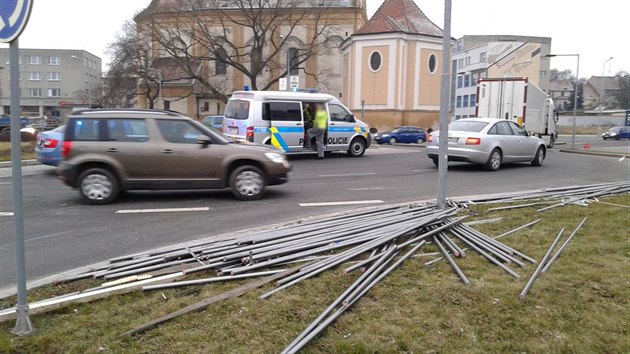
pixel 98 186
pixel 420 141
pixel 540 157
pixel 248 183
pixel 494 161
pixel 392 141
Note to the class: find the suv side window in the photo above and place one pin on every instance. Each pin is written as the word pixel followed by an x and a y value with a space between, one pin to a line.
pixel 127 130
pixel 282 111
pixel 339 114
pixel 179 131
pixel 85 130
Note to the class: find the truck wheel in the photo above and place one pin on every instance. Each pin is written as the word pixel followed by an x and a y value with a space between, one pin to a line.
pixel 494 161
pixel 552 141
pixel 540 157
pixel 247 183
pixel 357 147
pixel 98 186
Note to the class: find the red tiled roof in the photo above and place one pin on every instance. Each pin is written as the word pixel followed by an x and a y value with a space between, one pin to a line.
pixel 400 16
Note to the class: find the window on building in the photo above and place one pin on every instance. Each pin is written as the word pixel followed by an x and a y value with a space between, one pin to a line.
pixel 465 104
pixel 458 117
pixel 459 102
pixel 55 76
pixel 482 57
pixel 543 73
pixel 432 64
pixel 466 80
pixel 460 81
pixel 473 100
pixel 376 61
pixel 35 92
pixel 220 67
pixel 34 60
pixel 460 63
pixel 54 61
pixel 54 92
pixel 294 60
pixel 34 76
pixel 467 61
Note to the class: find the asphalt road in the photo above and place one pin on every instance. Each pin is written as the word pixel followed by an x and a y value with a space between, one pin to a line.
pixel 62 233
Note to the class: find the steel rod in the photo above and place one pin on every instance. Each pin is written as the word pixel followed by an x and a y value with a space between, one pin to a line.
pixel 557 254
pixel 542 263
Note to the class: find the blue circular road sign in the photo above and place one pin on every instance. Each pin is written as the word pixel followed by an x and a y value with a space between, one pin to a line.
pixel 14 15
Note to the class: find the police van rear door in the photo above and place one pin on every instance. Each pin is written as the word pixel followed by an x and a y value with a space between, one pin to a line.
pixel 341 127
pixel 287 124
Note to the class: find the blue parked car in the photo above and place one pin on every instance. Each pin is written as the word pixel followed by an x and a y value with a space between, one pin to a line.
pixel 414 135
pixel 48 146
pixel 617 133
pixel 215 122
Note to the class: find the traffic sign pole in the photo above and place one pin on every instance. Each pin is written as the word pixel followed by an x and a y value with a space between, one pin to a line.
pixel 14 15
pixel 23 324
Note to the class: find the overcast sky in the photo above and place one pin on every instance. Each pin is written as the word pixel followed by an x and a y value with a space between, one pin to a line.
pixel 596 30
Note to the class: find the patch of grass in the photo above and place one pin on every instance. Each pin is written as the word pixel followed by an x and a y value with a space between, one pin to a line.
pixel 581 305
pixel 28 151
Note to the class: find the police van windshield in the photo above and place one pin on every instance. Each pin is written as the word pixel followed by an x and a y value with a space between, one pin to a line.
pixel 237 109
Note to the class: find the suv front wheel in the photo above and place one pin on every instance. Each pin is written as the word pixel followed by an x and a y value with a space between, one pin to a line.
pixel 98 186
pixel 247 183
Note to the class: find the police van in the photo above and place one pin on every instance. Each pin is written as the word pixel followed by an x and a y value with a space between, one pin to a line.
pixel 282 119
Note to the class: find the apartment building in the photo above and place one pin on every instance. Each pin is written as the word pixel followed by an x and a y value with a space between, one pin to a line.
pixel 51 79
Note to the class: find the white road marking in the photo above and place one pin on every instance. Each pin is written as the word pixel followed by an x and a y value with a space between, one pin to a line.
pixel 357 202
pixel 429 170
pixel 6 213
pixel 368 189
pixel 165 210
pixel 350 174
pixel 5 183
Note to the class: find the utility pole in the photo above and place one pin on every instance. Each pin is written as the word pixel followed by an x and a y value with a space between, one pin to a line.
pixel 444 103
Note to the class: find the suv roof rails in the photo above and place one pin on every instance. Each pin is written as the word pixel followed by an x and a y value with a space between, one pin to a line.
pixel 127 110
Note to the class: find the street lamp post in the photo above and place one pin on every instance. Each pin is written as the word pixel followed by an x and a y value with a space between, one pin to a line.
pixel 575 92
pixel 602 95
pixel 159 84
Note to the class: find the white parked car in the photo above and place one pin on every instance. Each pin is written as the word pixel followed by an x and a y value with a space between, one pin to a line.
pixel 490 142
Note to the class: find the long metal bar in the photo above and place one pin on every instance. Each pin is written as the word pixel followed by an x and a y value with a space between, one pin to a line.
pixel 518 229
pixel 460 250
pixel 489 257
pixel 450 260
pixel 542 263
pixel 500 245
pixel 489 248
pixel 453 250
pixel 557 254
pixel 210 280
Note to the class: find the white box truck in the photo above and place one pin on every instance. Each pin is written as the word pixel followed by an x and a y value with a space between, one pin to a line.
pixel 519 100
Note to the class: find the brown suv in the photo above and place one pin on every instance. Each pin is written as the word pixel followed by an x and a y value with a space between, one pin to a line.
pixel 109 151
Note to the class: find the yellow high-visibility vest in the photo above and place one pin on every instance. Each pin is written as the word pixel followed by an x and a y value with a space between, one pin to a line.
pixel 321 120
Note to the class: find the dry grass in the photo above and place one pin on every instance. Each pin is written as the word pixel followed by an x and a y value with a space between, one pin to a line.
pixel 28 151
pixel 580 306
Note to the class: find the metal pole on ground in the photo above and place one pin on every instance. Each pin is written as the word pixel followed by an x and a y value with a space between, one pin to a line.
pixel 444 104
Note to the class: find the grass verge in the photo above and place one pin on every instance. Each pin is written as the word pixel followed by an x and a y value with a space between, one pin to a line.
pixel 581 305
pixel 28 151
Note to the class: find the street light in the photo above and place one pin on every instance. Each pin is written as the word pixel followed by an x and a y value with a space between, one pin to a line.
pixel 601 92
pixel 575 92
pixel 159 84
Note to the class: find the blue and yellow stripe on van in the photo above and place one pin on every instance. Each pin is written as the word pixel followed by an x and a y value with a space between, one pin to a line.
pixel 276 137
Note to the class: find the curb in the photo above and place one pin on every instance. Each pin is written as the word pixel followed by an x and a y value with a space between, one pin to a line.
pixel 595 153
pixel 8 164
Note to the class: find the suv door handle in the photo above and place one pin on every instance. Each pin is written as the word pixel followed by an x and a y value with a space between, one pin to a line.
pixel 332 123
pixel 167 151
pixel 298 123
pixel 112 150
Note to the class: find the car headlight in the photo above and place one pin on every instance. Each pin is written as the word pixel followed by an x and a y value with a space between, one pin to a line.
pixel 613 134
pixel 275 157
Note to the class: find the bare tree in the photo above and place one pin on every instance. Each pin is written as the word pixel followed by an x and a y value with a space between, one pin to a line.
pixel 249 36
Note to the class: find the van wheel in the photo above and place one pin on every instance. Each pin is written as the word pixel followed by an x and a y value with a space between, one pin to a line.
pixel 540 157
pixel 357 148
pixel 552 141
pixel 494 161
pixel 247 183
pixel 98 186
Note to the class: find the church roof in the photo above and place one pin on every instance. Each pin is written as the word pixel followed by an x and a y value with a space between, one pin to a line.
pixel 400 16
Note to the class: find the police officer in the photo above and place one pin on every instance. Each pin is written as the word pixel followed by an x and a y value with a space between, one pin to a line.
pixel 320 125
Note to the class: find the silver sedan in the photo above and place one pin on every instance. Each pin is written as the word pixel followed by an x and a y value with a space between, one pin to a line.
pixel 490 142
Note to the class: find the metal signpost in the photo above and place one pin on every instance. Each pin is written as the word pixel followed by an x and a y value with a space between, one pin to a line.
pixel 14 15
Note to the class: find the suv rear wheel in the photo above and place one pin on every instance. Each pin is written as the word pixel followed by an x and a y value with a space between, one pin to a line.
pixel 98 186
pixel 247 183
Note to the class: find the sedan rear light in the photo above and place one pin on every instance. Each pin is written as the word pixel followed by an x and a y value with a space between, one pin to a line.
pixel 50 143
pixel 473 141
pixel 66 148
pixel 250 134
